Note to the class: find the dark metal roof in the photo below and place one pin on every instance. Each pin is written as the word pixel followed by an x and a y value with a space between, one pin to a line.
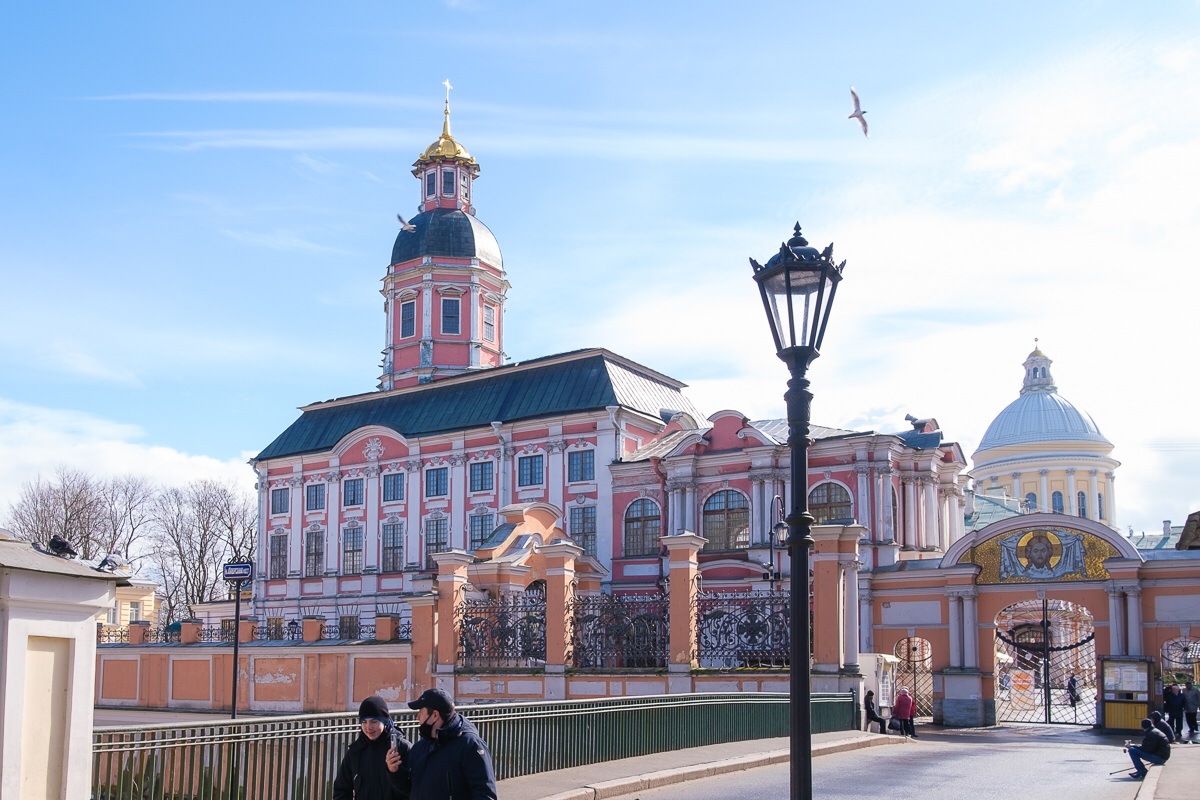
pixel 570 383
pixel 447 232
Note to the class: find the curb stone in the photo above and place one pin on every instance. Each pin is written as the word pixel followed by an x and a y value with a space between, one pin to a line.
pixel 668 777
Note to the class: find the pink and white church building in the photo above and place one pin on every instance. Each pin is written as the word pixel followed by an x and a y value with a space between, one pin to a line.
pixel 360 492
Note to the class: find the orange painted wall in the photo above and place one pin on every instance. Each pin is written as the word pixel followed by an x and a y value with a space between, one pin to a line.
pixel 192 679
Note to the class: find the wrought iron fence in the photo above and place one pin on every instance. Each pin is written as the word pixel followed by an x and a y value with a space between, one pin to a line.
pixel 743 629
pixel 291 631
pixel 215 633
pixel 507 631
pixel 613 631
pixel 295 758
pixel 109 635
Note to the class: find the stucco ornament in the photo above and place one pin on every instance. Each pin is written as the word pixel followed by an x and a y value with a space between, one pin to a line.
pixel 374 449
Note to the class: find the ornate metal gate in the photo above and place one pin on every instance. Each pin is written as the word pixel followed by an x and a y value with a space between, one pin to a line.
pixel 915 671
pixel 1045 664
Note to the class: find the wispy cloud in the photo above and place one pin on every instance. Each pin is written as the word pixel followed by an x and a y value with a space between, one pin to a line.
pixel 35 440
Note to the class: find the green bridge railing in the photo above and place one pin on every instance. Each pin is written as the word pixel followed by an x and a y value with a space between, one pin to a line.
pixel 296 758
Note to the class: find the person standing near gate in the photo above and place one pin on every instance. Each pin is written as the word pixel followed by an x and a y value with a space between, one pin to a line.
pixel 1173 705
pixel 1073 690
pixel 450 761
pixel 1191 704
pixel 903 710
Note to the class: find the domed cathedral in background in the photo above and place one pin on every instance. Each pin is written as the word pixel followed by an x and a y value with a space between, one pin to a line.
pixel 1042 454
pixel 445 287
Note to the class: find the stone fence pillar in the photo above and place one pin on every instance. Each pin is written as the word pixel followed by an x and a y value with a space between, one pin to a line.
pixel 137 632
pixel 683 562
pixel 451 581
pixel 314 628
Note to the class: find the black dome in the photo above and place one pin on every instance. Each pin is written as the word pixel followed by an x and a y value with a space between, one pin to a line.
pixel 447 232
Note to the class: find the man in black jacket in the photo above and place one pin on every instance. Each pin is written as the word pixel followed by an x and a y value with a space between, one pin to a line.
pixel 450 761
pixel 1154 748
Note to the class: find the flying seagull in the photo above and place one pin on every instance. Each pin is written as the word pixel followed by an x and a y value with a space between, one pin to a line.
pixel 858 112
pixel 408 226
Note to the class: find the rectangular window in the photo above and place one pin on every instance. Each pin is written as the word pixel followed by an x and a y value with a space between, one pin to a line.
pixel 314 497
pixel 408 319
pixel 277 563
pixel 314 553
pixel 113 615
pixel 352 492
pixel 437 482
pixel 448 182
pixel 430 183
pixel 451 322
pixel 466 185
pixel 437 539
pixel 279 501
pixel 393 548
pixel 349 627
pixel 489 323
pixel 352 551
pixel 482 526
pixel 581 466
pixel 529 471
pixel 135 611
pixel 582 528
pixel 275 628
pixel 393 487
pixel 482 477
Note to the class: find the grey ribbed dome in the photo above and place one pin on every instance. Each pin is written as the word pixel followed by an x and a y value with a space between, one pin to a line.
pixel 447 232
pixel 1041 417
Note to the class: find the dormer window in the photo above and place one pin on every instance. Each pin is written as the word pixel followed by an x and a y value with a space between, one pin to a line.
pixel 448 182
pixel 430 183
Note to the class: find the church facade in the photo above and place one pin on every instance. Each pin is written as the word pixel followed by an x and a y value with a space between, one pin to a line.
pixel 360 492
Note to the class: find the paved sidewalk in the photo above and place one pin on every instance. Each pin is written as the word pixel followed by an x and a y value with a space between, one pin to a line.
pixel 615 778
pixel 1178 779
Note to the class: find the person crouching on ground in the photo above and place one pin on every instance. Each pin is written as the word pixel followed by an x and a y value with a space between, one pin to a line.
pixel 450 761
pixel 1156 719
pixel 373 767
pixel 872 714
pixel 1154 748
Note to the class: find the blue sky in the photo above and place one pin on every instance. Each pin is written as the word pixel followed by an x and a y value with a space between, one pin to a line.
pixel 197 204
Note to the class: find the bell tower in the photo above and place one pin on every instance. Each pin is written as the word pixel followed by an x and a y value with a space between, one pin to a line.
pixel 445 287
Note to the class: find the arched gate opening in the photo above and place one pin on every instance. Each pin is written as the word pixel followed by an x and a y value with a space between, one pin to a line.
pixel 915 671
pixel 1045 663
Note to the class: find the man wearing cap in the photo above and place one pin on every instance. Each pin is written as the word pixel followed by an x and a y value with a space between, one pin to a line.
pixel 450 761
pixel 1154 749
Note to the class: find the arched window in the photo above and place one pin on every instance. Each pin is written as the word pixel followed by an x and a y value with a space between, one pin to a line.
pixel 829 502
pixel 1081 504
pixel 1056 502
pixel 1031 502
pixel 642 528
pixel 727 521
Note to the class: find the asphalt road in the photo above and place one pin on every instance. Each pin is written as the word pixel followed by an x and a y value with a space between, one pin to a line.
pixel 1022 763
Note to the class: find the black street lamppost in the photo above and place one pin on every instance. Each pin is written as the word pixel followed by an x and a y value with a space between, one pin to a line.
pixel 798 285
pixel 777 534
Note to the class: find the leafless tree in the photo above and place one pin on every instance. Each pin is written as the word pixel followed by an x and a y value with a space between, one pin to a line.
pixel 70 504
pixel 199 528
pixel 128 510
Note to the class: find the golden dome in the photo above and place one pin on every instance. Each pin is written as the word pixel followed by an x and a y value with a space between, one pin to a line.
pixel 445 148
